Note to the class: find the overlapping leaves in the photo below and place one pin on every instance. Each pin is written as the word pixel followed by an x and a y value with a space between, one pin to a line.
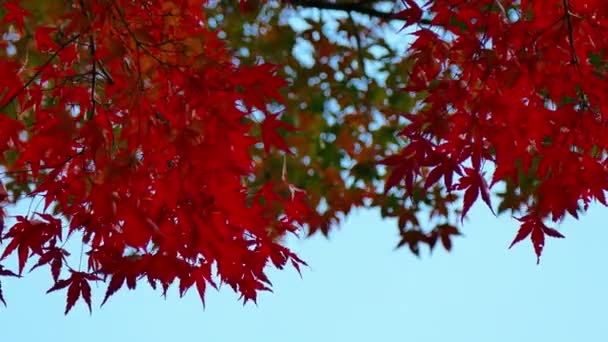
pixel 131 122
pixel 168 150
pixel 345 72
pixel 514 88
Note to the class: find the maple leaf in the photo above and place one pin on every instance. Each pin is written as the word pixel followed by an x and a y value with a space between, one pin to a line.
pixel 31 235
pixel 44 41
pixel 270 135
pixel 445 233
pixel 55 257
pixel 412 238
pixel 78 286
pixel 406 165
pixel 199 277
pixel 5 272
pixel 411 14
pixel 10 86
pixel 533 225
pixel 446 169
pixel 14 13
pixel 115 284
pixel 474 183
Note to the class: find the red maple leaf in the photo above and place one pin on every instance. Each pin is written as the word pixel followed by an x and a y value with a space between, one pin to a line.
pixel 14 13
pixel 411 14
pixel 473 183
pixel 31 235
pixel 534 226
pixel 79 286
pixel 44 39
pixel 270 134
pixel 55 257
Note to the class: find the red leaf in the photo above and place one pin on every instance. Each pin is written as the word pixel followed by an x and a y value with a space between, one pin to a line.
pixel 136 230
pixel 56 267
pixel 553 233
pixel 132 282
pixel 469 198
pixel 9 134
pixel 31 235
pixel 1 295
pixel 115 284
pixel 14 13
pixel 78 285
pixel 271 137
pixel 538 241
pixel 532 224
pixel 2 225
pixel 73 294
pixel 22 253
pixel 522 233
pixel 53 256
pixel 395 177
pixel 85 290
pixel 433 177
pixel 3 193
pixel 411 15
pixel 44 41
pixel 297 267
pixel 200 287
pixel 184 284
pixel 61 284
pixel 485 192
pixel 7 273
pixel 473 182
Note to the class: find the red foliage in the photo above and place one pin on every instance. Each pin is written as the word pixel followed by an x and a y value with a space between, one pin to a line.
pixel 532 225
pixel 520 88
pixel 134 123
pixel 79 286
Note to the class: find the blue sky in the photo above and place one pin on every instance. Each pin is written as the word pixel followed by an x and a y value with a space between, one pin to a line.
pixel 358 288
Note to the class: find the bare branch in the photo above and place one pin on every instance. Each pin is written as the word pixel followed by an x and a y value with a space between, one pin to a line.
pixel 357 7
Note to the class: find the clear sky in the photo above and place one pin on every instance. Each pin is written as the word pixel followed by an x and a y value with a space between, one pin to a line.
pixel 358 288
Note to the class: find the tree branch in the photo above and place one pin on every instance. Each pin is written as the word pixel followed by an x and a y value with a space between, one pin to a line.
pixel 343 6
pixel 39 72
pixel 350 7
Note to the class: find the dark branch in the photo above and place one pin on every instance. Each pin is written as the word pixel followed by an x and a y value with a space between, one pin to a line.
pixel 350 7
pixel 39 72
pixel 344 6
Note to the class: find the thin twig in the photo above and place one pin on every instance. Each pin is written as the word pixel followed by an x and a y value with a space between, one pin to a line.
pixel 41 69
pixel 93 76
pixel 571 35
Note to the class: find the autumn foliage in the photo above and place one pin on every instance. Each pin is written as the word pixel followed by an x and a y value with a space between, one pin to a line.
pixel 131 120
pixel 152 151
